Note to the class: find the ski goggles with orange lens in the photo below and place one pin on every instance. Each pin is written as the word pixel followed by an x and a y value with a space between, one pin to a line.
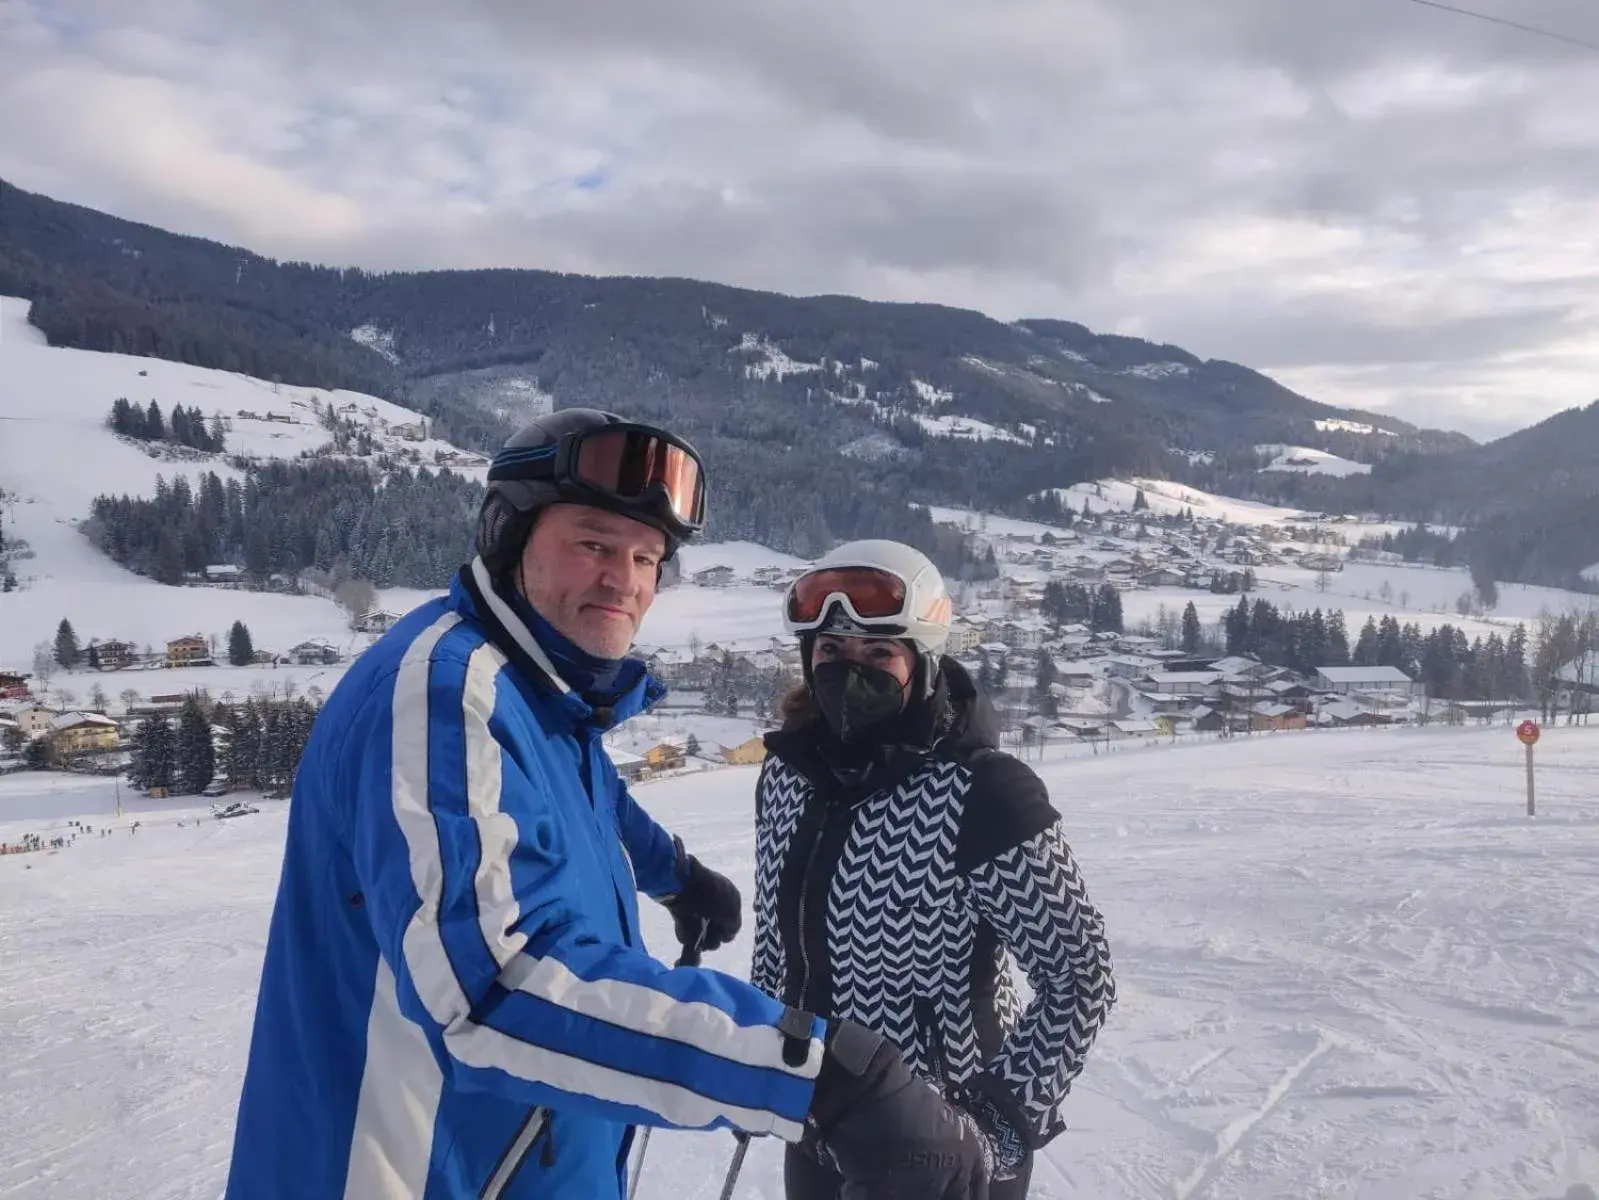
pixel 871 595
pixel 635 467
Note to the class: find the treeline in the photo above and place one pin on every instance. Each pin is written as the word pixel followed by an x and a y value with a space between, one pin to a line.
pixel 404 528
pixel 1451 666
pixel 256 746
pixel 186 427
pixel 1099 608
pixel 412 527
pixel 1418 543
pixel 1300 641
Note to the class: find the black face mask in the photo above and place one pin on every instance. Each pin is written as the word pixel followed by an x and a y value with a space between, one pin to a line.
pixel 855 698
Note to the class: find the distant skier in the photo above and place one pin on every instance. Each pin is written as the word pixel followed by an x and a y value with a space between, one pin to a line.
pixel 456 1000
pixel 902 859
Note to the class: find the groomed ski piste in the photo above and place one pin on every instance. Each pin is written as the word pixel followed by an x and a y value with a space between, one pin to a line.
pixel 1349 966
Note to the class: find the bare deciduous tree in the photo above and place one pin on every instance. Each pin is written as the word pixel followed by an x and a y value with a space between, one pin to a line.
pixel 356 597
pixel 44 662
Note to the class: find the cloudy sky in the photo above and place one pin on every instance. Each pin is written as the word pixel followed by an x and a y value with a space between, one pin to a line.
pixel 1382 204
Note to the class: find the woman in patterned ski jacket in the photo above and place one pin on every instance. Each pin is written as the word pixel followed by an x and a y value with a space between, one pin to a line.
pixel 903 863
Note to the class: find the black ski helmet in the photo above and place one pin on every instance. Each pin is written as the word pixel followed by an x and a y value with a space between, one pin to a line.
pixel 531 472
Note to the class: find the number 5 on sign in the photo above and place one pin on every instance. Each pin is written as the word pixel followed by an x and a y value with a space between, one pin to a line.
pixel 1528 733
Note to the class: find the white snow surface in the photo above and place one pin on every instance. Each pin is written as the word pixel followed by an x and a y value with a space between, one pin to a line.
pixel 744 557
pixel 1166 498
pixel 1309 461
pixel 773 362
pixel 1170 499
pixel 1348 965
pixel 966 427
pixel 1157 370
pixel 380 341
pixel 1591 573
pixel 1338 424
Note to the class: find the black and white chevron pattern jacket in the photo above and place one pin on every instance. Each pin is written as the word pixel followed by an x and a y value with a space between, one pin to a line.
pixel 900 901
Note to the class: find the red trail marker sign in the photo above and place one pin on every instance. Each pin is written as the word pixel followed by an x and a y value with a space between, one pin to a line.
pixel 1528 734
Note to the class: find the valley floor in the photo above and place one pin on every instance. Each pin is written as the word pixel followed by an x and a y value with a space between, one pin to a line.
pixel 1349 966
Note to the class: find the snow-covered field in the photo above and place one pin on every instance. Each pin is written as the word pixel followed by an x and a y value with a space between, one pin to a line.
pixel 1166 498
pixel 1309 461
pixel 1349 966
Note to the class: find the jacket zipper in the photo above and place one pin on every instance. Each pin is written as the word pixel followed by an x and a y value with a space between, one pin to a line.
pixel 804 895
pixel 534 1126
pixel 927 1018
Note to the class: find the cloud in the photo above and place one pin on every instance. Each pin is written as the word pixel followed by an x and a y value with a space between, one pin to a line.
pixel 1385 205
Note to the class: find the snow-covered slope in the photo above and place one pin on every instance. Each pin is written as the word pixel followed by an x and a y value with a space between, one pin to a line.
pixel 56 455
pixel 1170 499
pixel 1347 964
pixel 1309 461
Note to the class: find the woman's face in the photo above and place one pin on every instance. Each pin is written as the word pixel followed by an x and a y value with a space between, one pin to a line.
pixel 885 654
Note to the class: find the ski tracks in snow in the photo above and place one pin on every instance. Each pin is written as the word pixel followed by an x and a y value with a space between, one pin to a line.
pixel 1348 969
pixel 1227 1140
pixel 1354 980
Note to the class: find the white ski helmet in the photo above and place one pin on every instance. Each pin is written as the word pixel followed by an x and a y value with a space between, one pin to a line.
pixel 872 588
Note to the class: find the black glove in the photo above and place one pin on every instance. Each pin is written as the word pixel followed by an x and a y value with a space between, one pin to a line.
pixel 707 910
pixel 1007 1146
pixel 890 1134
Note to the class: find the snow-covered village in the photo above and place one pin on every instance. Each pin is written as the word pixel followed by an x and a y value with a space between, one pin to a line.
pixel 883 603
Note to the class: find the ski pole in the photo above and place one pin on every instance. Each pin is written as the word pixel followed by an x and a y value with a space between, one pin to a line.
pixel 690 957
pixel 736 1166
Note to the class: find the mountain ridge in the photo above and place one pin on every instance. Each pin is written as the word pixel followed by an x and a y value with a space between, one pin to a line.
pixel 98 281
pixel 823 416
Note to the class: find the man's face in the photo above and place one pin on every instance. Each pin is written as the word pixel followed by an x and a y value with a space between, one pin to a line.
pixel 591 574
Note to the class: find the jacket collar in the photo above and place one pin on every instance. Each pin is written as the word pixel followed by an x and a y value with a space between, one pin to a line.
pixel 473 594
pixel 956 720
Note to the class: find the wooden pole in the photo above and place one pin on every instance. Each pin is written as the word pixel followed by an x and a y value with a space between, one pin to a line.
pixel 1532 806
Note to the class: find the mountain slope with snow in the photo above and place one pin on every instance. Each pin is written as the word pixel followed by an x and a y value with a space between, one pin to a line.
pixel 57 455
pixel 1347 965
pixel 1310 461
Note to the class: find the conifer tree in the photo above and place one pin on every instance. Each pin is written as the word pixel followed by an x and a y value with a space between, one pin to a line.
pixel 67 652
pixel 1191 629
pixel 241 651
pixel 152 754
pixel 195 753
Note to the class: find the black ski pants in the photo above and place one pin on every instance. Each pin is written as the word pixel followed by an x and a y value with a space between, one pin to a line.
pixel 806 1179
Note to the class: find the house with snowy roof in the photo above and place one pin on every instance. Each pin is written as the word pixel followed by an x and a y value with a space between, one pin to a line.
pixel 1349 680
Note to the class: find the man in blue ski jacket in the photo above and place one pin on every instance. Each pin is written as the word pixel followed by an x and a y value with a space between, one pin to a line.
pixel 456 1000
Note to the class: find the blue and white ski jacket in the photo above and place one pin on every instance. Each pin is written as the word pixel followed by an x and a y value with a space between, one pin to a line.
pixel 456 1000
